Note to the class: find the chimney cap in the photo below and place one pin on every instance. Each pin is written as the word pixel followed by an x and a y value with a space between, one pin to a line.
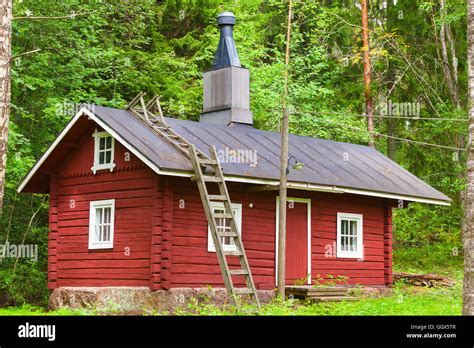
pixel 226 18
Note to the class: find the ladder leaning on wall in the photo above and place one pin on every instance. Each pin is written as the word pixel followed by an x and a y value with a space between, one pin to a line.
pixel 207 170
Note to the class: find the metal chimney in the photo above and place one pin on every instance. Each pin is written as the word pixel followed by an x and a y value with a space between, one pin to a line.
pixel 226 54
pixel 227 85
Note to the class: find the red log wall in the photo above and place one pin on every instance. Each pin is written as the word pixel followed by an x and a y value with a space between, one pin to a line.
pixel 193 265
pixel 135 190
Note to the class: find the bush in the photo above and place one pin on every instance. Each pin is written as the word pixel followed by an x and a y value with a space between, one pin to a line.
pixel 421 224
pixel 27 284
pixel 436 258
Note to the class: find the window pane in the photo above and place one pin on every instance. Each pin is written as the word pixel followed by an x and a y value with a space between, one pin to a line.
pixel 107 213
pixel 109 142
pixel 106 233
pixel 98 216
pixel 354 228
pixel 101 143
pixel 108 157
pixel 97 233
pixel 354 243
pixel 101 157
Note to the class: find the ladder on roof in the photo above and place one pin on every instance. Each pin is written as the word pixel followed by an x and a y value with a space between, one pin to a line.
pixel 207 171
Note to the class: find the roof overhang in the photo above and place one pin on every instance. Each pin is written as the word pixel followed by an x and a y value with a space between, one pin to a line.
pixel 84 111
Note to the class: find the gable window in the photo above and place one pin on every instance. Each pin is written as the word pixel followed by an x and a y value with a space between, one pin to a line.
pixel 349 235
pixel 104 146
pixel 101 224
pixel 223 225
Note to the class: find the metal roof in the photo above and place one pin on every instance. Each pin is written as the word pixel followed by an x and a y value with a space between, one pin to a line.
pixel 326 162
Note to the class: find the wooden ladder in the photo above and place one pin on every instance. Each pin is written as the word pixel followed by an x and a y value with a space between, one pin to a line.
pixel 206 170
pixel 203 178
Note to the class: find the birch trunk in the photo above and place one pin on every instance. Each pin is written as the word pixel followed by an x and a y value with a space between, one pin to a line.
pixel 5 59
pixel 468 230
pixel 450 73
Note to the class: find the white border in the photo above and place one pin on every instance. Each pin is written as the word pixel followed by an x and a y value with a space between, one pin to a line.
pixel 232 178
pixel 359 254
pixel 93 245
pixel 277 220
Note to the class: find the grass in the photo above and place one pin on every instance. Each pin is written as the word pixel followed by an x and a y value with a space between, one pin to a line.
pixel 29 310
pixel 405 300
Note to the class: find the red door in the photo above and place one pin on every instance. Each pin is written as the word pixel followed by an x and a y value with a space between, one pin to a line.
pixel 296 242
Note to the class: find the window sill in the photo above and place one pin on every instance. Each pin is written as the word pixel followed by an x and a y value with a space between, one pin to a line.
pixel 110 167
pixel 100 246
pixel 340 255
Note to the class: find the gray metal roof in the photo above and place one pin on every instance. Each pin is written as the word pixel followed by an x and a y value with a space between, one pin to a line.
pixel 326 162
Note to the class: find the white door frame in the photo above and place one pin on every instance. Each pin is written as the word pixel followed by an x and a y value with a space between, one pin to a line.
pixel 297 200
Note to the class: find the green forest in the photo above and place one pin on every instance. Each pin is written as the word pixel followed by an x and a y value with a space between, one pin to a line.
pixel 106 51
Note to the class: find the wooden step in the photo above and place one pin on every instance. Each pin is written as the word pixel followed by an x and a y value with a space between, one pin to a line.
pixel 332 298
pixel 217 198
pixel 172 136
pixel 208 162
pixel 223 215
pixel 327 289
pixel 207 178
pixel 307 289
pixel 327 293
pixel 238 272
pixel 232 252
pixel 227 234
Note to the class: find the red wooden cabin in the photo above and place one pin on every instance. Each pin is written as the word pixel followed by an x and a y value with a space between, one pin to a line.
pixel 124 211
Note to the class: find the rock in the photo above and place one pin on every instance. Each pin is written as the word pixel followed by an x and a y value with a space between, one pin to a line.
pixel 134 301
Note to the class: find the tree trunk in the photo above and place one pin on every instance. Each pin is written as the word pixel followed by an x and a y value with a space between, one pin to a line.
pixel 367 71
pixel 450 73
pixel 5 59
pixel 468 230
pixel 391 122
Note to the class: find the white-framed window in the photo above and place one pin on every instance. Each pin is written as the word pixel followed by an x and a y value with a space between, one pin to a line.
pixel 101 224
pixel 349 236
pixel 223 225
pixel 104 149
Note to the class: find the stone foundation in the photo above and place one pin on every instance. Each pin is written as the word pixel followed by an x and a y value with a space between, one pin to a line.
pixel 140 300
